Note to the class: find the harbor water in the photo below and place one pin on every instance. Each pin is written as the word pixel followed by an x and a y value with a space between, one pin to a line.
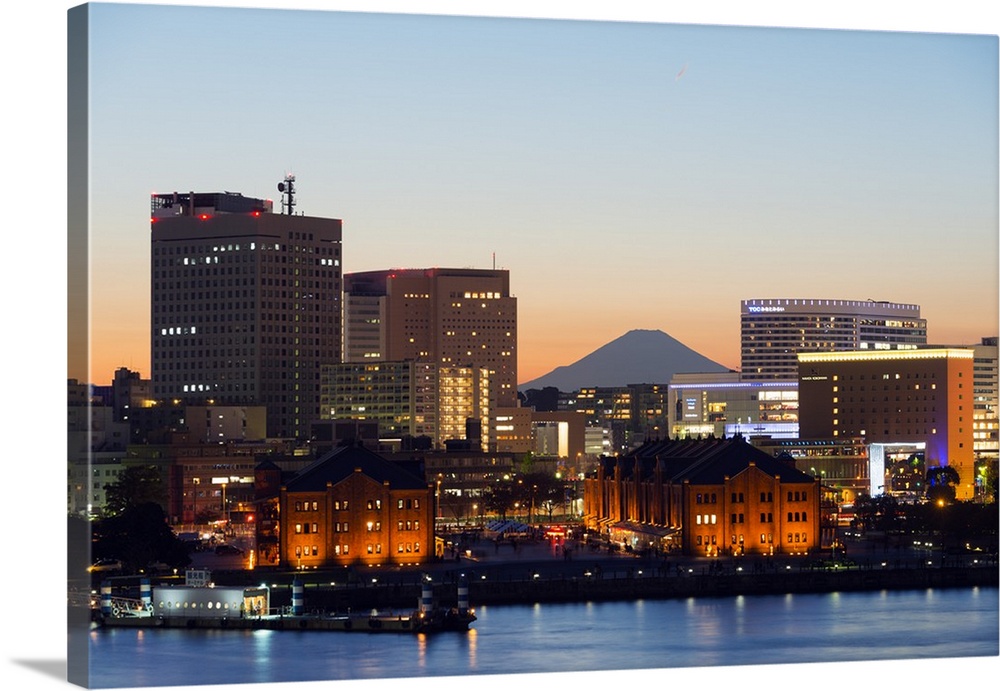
pixel 644 634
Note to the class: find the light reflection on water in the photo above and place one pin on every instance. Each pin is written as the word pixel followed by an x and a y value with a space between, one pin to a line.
pixel 573 637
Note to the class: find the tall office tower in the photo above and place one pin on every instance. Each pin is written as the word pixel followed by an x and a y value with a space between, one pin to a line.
pixel 246 304
pixel 453 317
pixel 774 331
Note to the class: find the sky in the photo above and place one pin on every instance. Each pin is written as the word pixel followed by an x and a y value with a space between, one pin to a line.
pixel 629 174
pixel 889 187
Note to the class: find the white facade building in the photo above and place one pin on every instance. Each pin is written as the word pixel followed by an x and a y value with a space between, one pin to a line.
pixel 774 331
pixel 724 404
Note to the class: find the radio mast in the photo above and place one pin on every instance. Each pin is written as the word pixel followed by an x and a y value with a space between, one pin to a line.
pixel 287 189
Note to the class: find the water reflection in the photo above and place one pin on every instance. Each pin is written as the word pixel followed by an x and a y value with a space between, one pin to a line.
pixel 472 641
pixel 422 651
pixel 572 637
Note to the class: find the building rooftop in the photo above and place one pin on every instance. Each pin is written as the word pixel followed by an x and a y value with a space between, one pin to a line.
pixel 335 466
pixel 703 461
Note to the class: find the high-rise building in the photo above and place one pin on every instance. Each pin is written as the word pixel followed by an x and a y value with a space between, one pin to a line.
pixel 409 399
pixel 246 305
pixel 774 331
pixel 986 388
pixel 452 317
pixel 922 400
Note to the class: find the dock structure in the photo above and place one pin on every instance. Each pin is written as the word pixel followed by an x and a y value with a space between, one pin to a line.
pixel 209 606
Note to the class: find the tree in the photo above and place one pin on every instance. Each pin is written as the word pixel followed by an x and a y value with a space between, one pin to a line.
pixel 527 463
pixel 135 485
pixel 877 513
pixel 134 527
pixel 907 475
pixel 499 498
pixel 986 477
pixel 541 491
pixel 941 483
pixel 139 537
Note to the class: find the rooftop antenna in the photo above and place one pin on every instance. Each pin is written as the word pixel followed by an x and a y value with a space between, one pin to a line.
pixel 287 189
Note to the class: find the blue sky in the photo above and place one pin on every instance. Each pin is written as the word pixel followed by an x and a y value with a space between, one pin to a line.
pixel 629 174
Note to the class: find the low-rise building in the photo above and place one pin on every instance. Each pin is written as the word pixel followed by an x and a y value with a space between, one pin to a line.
pixel 725 404
pixel 709 497
pixel 352 506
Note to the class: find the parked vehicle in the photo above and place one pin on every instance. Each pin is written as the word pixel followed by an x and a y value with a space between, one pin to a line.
pixel 102 565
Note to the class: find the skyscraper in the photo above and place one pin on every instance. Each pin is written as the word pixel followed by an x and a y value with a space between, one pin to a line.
pixel 774 331
pixel 246 305
pixel 452 317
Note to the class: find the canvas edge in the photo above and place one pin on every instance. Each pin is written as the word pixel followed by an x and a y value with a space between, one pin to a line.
pixel 78 258
pixel 78 310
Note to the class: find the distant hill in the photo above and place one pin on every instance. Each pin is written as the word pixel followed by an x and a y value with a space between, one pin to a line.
pixel 641 356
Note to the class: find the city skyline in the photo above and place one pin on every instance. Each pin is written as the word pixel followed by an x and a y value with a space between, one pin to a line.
pixel 37 138
pixel 707 164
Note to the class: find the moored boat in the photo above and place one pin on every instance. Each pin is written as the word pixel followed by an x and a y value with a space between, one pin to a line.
pixel 237 607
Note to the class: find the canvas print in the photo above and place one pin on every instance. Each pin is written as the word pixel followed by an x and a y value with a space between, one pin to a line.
pixel 436 348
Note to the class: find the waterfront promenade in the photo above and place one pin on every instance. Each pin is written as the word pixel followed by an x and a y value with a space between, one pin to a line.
pixel 527 571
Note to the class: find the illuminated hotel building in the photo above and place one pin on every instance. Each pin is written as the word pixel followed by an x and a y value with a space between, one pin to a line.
pixel 246 305
pixel 451 317
pixel 922 399
pixel 724 404
pixel 408 399
pixel 773 331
